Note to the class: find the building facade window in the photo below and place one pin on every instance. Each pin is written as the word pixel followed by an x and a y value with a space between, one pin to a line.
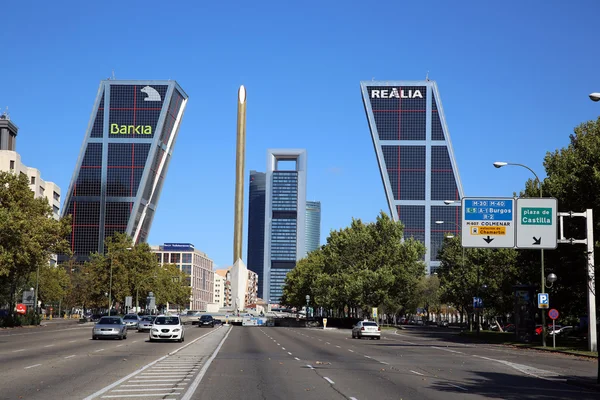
pixel 12 165
pixel 32 180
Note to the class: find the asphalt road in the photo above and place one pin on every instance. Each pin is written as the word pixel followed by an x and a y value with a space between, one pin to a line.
pixel 62 362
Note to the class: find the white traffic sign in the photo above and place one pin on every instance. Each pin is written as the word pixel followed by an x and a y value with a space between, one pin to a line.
pixel 536 223
pixel 488 222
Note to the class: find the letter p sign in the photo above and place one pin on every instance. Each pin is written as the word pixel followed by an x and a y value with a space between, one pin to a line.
pixel 543 300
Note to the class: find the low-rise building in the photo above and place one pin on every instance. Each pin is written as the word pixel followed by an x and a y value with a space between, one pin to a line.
pixel 249 283
pixel 196 265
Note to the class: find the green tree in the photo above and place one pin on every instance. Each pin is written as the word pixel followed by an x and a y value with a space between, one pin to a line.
pixel 172 286
pixel 29 234
pixel 54 284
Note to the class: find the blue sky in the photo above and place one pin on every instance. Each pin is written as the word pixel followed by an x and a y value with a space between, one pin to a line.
pixel 514 79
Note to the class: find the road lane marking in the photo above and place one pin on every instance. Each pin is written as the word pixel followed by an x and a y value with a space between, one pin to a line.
pixel 50 345
pixel 351 350
pixel 140 395
pixel 526 369
pixel 456 386
pixel 289 353
pixel 71 356
pixel 150 380
pixel 283 348
pixel 327 343
pixel 353 398
pixel 16 351
pixel 98 350
pixel 72 341
pixel 415 372
pixel 33 366
pixel 296 358
pixel 119 345
pixel 320 340
pixel 329 380
pixel 368 356
pixel 383 362
pixel 192 388
pixel 310 366
pixel 445 349
pixel 155 384
pixel 339 347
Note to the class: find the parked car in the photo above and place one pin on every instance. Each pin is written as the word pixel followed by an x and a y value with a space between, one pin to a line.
pixel 145 323
pixel 132 320
pixel 442 324
pixel 113 327
pixel 368 329
pixel 167 327
pixel 206 320
pixel 561 331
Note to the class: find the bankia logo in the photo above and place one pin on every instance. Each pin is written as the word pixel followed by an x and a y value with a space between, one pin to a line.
pixel 394 93
pixel 151 93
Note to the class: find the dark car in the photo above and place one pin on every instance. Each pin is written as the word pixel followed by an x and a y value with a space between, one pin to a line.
pixel 206 320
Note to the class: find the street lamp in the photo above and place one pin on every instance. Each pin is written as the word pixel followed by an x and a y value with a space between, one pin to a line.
pixel 110 258
pixel 551 278
pixel 500 164
pixel 595 96
pixel 307 302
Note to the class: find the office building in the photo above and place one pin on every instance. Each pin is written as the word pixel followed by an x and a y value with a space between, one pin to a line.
pixel 197 266
pixel 416 159
pixel 313 226
pixel 285 213
pixel 256 225
pixel 10 161
pixel 123 162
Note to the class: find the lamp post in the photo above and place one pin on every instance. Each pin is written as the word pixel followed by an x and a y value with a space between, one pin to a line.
pixel 595 96
pixel 307 302
pixel 37 285
pixel 500 164
pixel 137 291
pixel 110 259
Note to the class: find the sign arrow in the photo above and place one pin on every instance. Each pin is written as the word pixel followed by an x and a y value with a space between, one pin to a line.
pixel 488 239
pixel 537 241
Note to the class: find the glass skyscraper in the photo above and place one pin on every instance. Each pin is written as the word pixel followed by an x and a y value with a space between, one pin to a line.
pixel 256 225
pixel 285 212
pixel 313 226
pixel 416 160
pixel 123 162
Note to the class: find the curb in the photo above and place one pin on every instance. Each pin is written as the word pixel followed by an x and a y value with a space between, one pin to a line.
pixel 550 350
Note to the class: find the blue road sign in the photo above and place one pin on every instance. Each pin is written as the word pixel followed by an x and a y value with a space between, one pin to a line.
pixel 543 300
pixel 488 222
pixel 477 302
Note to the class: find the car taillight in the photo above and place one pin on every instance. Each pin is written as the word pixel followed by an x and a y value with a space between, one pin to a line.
pixel 362 329
pixel 379 328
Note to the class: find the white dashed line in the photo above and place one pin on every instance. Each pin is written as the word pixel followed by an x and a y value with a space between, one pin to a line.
pixel 456 386
pixel 119 345
pixel 296 358
pixel 368 356
pixel 415 372
pixel 383 362
pixel 339 347
pixel 289 353
pixel 98 350
pixel 50 345
pixel 71 356
pixel 327 343
pixel 72 341
pixel 351 350
pixel 329 380
pixel 33 366
pixel 353 398
pixel 16 351
pixel 283 348
pixel 450 350
pixel 310 366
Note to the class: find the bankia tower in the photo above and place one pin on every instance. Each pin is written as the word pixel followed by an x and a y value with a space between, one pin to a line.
pixel 123 162
pixel 416 160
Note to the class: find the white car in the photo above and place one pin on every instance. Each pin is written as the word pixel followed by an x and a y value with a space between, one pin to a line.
pixel 368 329
pixel 167 327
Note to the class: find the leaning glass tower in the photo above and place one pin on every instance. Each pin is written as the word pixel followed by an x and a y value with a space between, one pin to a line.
pixel 416 160
pixel 123 162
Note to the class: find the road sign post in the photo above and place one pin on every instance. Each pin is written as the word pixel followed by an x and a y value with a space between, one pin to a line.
pixel 536 223
pixel 488 222
pixel 553 314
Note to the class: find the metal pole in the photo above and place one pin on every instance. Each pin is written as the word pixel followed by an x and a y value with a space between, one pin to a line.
pixel 478 328
pixel 37 284
pixel 591 286
pixel 543 279
pixel 110 287
pixel 553 334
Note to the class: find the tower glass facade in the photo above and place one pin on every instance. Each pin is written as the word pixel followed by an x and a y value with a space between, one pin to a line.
pixel 416 159
pixel 256 225
pixel 123 162
pixel 285 205
pixel 313 225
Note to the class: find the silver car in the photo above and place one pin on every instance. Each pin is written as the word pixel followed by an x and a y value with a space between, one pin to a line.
pixel 132 320
pixel 368 329
pixel 145 323
pixel 111 327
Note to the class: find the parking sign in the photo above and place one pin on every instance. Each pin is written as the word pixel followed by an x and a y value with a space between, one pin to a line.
pixel 543 300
